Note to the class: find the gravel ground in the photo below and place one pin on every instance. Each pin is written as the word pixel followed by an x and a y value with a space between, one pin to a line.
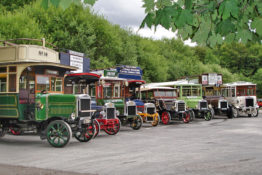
pixel 220 146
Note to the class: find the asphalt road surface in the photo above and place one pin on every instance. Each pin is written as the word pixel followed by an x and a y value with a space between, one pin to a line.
pixel 220 146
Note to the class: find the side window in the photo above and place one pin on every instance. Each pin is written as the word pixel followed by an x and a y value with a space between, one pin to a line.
pixel 42 83
pixel 117 90
pixel 3 79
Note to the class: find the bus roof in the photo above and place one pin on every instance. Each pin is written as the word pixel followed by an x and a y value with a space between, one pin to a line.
pixel 240 83
pixel 174 83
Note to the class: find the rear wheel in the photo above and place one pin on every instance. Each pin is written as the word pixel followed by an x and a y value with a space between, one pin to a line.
pixel 58 133
pixel 186 117
pixel 136 122
pixel 86 133
pixel 97 128
pixel 113 128
pixel 165 117
pixel 192 115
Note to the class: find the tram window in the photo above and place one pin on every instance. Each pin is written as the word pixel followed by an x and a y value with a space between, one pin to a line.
pixel 52 83
pixel 12 83
pixel 22 82
pixel 42 83
pixel 150 94
pixel 186 92
pixel 241 92
pixel 2 84
pixel 107 92
pixel 12 69
pixel 2 69
pixel 117 91
pixel 250 92
pixel 224 92
pixel 233 93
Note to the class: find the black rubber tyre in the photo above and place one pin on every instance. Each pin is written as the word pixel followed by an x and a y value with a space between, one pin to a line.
pixel 115 130
pixel 192 115
pixel 235 112
pixel 136 123
pixel 86 133
pixel 156 121
pixel 256 113
pixel 97 128
pixel 58 131
pixel 207 115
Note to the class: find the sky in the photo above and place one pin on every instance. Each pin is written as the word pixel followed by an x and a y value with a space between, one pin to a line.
pixel 130 14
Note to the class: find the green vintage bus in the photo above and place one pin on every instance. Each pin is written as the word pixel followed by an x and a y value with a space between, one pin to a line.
pixel 32 96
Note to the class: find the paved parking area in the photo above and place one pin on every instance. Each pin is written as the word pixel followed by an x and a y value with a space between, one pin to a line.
pixel 219 146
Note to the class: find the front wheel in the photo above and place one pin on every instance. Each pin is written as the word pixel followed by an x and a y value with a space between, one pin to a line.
pixel 156 120
pixel 113 128
pixel 208 115
pixel 165 117
pixel 186 117
pixel 137 122
pixel 97 128
pixel 86 133
pixel 58 133
pixel 255 113
pixel 235 112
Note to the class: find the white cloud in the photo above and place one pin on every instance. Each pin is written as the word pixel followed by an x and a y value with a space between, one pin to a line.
pixel 130 14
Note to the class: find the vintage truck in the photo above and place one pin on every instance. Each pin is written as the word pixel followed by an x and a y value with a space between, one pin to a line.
pixel 165 99
pixel 214 98
pixel 191 93
pixel 32 96
pixel 242 96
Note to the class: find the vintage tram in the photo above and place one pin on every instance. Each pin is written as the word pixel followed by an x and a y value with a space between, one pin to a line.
pixel 32 96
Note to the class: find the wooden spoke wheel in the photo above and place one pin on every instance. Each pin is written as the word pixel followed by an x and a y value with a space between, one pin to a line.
pixel 113 128
pixel 97 128
pixel 156 120
pixel 208 115
pixel 186 117
pixel 58 133
pixel 136 122
pixel 165 117
pixel 86 133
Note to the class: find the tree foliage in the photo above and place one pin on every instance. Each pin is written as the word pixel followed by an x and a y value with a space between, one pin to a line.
pixel 107 45
pixel 208 22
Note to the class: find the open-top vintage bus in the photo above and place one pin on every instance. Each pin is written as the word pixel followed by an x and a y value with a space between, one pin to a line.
pixel 32 96
pixel 242 96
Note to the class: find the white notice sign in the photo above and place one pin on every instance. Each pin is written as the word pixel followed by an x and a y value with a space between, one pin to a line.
pixel 76 61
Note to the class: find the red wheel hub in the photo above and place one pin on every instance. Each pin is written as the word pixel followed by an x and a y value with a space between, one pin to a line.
pixel 165 118
pixel 186 119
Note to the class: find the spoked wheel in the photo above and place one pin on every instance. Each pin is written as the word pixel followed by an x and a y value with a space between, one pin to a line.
pixel 113 128
pixel 192 115
pixel 235 112
pixel 86 133
pixel 186 117
pixel 208 115
pixel 2 131
pixel 156 120
pixel 255 113
pixel 58 133
pixel 165 117
pixel 97 128
pixel 136 122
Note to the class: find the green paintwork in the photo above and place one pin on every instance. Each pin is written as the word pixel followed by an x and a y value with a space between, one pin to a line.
pixel 191 101
pixel 119 104
pixel 9 106
pixel 55 105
